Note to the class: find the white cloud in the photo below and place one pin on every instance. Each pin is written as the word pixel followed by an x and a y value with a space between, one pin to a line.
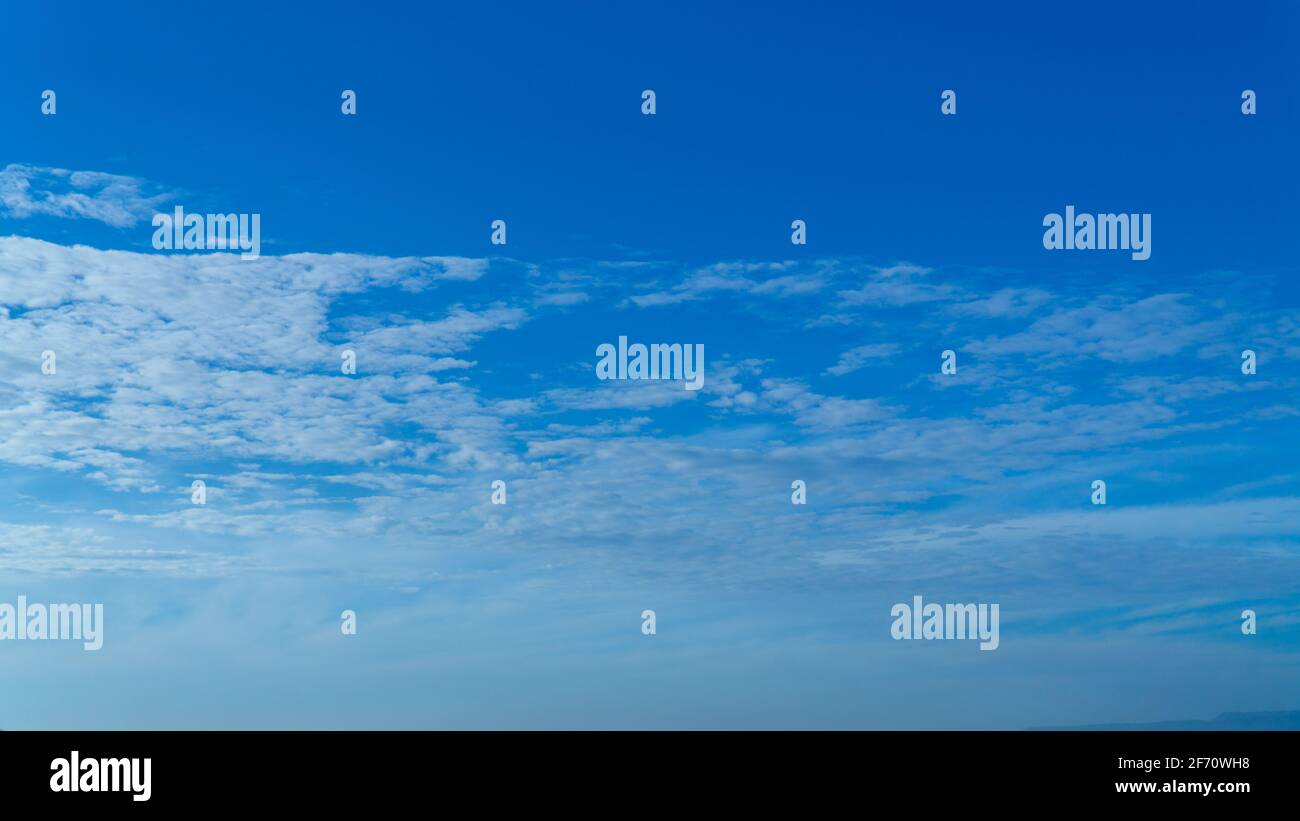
pixel 119 201
pixel 1005 302
pixel 1112 328
pixel 739 278
pixel 855 358
pixel 208 354
pixel 173 367
pixel 895 286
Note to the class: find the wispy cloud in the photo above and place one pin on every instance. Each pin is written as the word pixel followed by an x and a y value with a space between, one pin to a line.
pixel 176 367
pixel 119 201
pixel 855 358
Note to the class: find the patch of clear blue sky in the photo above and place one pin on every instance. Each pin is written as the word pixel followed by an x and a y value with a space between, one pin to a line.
pixel 766 113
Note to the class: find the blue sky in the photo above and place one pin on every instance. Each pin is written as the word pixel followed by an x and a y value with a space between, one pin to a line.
pixel 476 362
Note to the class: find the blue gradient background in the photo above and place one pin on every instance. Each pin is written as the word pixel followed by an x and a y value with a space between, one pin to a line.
pixel 924 235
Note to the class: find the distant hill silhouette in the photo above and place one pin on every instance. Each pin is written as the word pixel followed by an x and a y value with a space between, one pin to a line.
pixel 1278 720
